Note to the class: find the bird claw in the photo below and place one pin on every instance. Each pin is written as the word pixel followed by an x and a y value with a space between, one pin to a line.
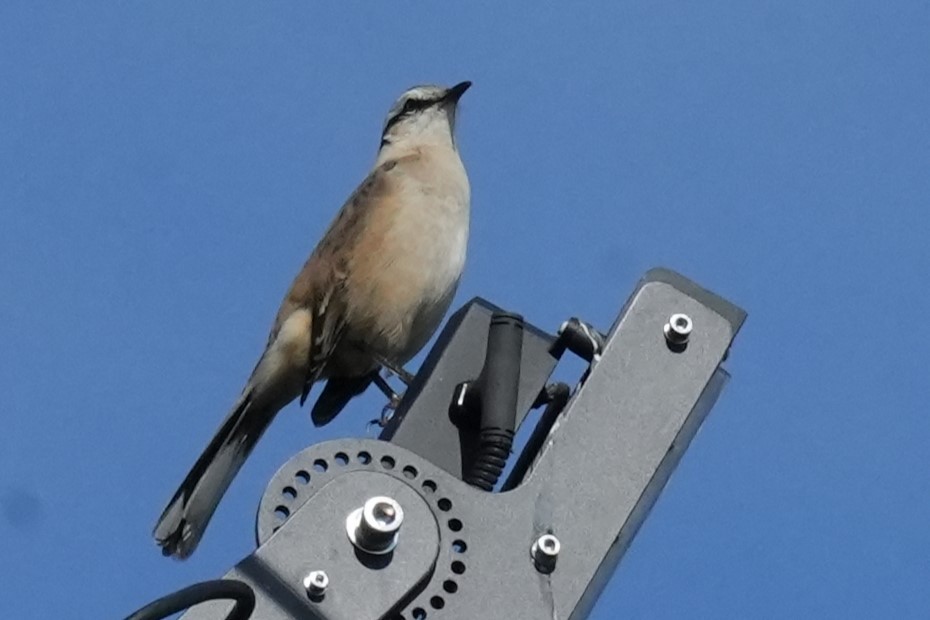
pixel 387 412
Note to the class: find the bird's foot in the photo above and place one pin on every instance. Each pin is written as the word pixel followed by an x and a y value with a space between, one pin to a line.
pixel 387 412
pixel 393 401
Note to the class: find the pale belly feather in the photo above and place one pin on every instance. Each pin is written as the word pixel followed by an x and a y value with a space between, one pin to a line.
pixel 423 248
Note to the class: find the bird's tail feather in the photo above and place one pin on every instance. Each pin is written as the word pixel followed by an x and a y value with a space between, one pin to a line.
pixel 184 520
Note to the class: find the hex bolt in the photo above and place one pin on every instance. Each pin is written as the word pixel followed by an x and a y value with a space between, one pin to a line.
pixel 545 551
pixel 678 328
pixel 315 583
pixel 374 527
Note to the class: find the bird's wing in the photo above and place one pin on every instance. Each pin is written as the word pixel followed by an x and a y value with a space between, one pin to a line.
pixel 326 328
pixel 321 284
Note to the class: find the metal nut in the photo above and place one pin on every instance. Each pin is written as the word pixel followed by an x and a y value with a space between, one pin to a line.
pixel 373 528
pixel 678 329
pixel 545 551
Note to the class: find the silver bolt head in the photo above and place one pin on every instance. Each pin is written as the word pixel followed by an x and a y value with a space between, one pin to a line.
pixel 316 582
pixel 678 328
pixel 373 528
pixel 545 551
pixel 383 514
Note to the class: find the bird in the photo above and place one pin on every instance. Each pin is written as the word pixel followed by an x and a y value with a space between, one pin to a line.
pixel 370 296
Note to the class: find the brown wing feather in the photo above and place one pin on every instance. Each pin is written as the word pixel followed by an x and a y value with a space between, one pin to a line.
pixel 320 284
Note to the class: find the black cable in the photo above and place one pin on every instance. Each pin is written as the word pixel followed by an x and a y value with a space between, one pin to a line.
pixel 498 387
pixel 218 589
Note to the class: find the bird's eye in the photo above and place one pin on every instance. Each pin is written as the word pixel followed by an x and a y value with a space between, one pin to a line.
pixel 413 104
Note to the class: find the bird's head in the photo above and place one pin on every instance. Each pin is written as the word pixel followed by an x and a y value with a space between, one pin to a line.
pixel 423 115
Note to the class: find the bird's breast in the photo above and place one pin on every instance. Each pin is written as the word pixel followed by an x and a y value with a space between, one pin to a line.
pixel 408 264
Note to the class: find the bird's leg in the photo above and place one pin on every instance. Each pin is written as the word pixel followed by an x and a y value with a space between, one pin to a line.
pixel 393 400
pixel 385 388
pixel 397 370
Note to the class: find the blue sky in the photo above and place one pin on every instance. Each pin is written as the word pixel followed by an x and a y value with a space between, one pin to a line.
pixel 166 167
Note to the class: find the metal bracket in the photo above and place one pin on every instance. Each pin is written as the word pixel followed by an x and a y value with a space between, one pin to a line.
pixel 547 546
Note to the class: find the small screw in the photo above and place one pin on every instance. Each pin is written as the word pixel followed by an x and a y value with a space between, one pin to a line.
pixel 678 328
pixel 545 551
pixel 373 527
pixel 315 583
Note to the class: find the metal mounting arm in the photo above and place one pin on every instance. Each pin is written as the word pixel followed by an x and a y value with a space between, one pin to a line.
pixel 361 529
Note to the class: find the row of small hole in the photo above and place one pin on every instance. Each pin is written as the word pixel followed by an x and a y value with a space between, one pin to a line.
pixel 437 602
pixel 302 477
pixel 321 466
pixel 449 585
pixel 458 546
pixel 429 487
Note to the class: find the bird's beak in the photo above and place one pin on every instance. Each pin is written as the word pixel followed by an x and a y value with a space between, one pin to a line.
pixel 454 93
